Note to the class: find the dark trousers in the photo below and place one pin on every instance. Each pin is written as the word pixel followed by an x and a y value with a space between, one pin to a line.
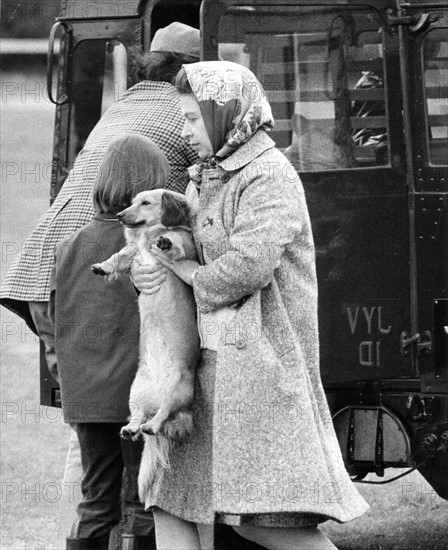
pixel 103 460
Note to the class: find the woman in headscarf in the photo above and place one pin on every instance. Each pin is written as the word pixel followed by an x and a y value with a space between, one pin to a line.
pixel 264 456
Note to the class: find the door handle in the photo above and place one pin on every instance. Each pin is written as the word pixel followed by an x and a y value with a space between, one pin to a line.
pixel 64 98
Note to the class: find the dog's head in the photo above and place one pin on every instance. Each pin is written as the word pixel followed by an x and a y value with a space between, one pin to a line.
pixel 156 207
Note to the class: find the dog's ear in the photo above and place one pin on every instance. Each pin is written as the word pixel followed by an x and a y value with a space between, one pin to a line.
pixel 174 211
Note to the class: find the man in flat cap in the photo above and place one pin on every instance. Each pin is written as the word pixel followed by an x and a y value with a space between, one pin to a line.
pixel 150 108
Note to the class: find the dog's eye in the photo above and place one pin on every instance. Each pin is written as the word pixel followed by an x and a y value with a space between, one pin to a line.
pixel 145 203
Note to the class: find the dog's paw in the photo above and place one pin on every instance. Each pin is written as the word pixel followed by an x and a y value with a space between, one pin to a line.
pixel 148 429
pixel 105 271
pixel 164 243
pixel 172 250
pixel 130 433
pixel 99 270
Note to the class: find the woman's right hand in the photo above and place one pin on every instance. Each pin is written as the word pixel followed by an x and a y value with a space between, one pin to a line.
pixel 148 278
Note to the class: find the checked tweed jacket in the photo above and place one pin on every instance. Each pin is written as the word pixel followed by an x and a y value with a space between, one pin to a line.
pixel 151 109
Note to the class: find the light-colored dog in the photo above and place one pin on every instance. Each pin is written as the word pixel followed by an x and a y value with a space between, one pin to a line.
pixel 162 392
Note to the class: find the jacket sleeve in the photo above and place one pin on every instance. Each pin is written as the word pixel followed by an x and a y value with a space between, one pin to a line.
pixel 268 218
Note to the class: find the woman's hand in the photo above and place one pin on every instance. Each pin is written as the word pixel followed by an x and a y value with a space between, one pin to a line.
pixel 184 269
pixel 148 278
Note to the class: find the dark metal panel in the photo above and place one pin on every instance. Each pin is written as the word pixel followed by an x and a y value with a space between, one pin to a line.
pixel 59 161
pixel 110 9
pixel 363 289
pixel 432 275
pixel 86 9
pixel 441 338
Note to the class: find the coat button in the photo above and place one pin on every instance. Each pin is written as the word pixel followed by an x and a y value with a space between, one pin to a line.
pixel 240 344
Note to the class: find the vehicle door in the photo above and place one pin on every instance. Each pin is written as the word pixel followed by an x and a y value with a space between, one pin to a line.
pixel 424 41
pixel 332 74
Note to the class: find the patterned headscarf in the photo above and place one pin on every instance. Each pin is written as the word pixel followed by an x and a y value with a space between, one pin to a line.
pixel 232 101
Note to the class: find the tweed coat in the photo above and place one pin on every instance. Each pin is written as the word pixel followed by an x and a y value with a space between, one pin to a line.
pixel 274 446
pixel 151 109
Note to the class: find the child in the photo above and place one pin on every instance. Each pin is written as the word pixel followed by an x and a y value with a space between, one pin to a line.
pixel 96 326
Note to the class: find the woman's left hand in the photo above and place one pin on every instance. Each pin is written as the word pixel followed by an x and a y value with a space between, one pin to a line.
pixel 184 269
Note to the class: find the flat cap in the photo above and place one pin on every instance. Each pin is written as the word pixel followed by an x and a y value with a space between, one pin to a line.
pixel 177 38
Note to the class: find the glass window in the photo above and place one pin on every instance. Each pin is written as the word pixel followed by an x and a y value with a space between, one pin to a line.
pixel 323 72
pixel 99 79
pixel 435 58
pixel 115 74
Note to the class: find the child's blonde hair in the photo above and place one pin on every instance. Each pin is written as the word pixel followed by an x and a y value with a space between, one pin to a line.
pixel 130 164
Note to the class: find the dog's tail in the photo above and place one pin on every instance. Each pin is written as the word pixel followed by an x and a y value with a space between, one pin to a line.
pixel 155 457
pixel 180 426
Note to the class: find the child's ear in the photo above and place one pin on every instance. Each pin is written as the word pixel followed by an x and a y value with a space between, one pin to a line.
pixel 174 211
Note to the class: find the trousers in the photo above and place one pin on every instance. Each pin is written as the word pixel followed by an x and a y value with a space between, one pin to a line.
pixel 102 463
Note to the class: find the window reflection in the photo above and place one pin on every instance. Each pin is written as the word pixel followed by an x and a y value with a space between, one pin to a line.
pixel 115 74
pixel 323 73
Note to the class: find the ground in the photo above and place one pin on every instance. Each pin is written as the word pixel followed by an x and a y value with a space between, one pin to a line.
pixel 405 515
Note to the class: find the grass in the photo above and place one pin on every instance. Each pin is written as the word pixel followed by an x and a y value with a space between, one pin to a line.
pixel 33 450
pixel 33 440
pixel 405 515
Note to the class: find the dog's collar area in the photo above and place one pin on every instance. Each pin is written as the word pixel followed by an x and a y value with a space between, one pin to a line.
pixel 133 225
pixel 177 227
pixel 142 223
pixel 105 217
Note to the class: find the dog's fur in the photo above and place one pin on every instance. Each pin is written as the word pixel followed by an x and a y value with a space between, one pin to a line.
pixel 162 392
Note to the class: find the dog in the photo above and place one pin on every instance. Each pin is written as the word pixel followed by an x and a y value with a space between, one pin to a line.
pixel 162 391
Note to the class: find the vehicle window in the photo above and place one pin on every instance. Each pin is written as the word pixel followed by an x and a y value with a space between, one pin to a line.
pixel 435 59
pixel 115 74
pixel 99 79
pixel 323 72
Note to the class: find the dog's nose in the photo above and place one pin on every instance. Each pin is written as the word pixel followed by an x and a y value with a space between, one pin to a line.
pixel 120 215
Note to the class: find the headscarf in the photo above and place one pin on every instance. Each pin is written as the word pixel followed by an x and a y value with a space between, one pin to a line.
pixel 131 163
pixel 232 101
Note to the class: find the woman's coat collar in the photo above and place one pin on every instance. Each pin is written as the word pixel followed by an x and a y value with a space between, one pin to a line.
pixel 249 151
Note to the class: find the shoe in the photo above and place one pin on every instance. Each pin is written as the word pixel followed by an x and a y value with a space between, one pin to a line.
pixel 227 539
pixel 138 542
pixel 94 543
